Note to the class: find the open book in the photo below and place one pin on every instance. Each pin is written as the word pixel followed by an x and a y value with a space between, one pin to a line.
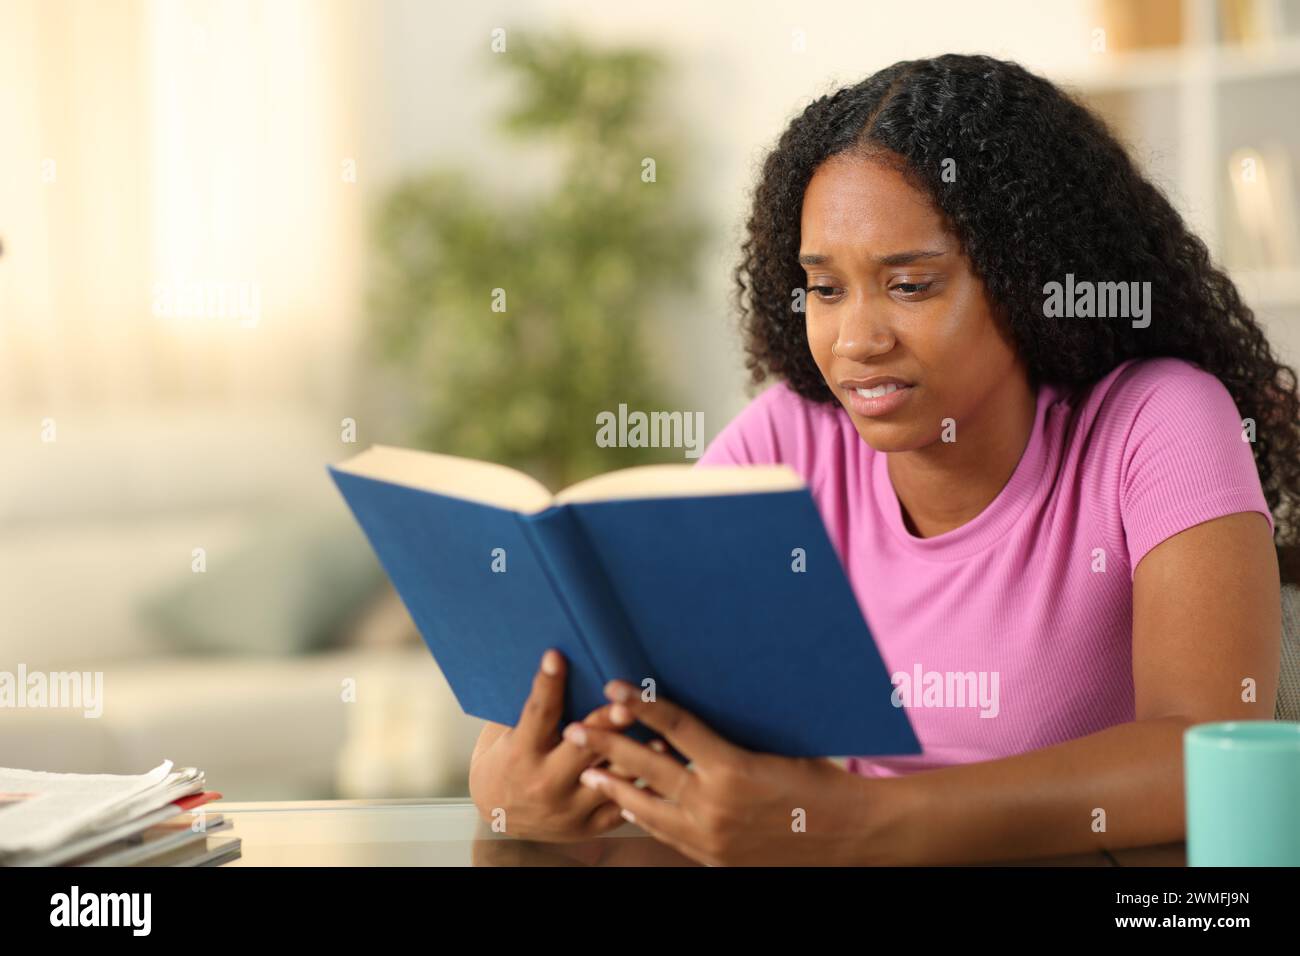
pixel 714 587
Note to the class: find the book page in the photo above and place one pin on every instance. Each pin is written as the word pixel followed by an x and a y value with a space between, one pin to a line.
pixel 465 478
pixel 682 481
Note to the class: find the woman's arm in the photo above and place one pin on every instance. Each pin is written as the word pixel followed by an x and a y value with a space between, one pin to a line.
pixel 1206 618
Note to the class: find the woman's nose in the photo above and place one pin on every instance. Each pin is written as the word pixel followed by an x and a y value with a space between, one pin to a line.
pixel 864 335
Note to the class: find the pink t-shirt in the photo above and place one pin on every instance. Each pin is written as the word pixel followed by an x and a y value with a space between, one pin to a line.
pixel 1014 631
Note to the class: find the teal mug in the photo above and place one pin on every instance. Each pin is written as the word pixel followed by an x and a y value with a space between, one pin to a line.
pixel 1243 793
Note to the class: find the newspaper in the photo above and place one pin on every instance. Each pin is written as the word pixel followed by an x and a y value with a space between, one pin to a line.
pixel 41 810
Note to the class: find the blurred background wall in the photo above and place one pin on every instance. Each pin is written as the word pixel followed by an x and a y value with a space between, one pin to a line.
pixel 231 230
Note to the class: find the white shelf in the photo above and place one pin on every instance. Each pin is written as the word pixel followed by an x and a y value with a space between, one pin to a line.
pixel 1280 58
pixel 1140 70
pixel 1171 105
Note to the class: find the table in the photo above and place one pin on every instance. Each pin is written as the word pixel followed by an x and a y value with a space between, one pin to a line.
pixel 449 832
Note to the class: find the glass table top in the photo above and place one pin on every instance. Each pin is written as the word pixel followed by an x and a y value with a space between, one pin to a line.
pixel 430 832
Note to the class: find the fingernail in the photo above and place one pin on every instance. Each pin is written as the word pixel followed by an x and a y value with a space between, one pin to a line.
pixel 620 714
pixel 616 691
pixel 627 815
pixel 550 665
pixel 575 734
pixel 592 778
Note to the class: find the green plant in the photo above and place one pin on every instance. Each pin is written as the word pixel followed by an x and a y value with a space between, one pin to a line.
pixel 585 268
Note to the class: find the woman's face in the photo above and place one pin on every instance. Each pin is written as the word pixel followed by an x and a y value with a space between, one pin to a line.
pixel 891 291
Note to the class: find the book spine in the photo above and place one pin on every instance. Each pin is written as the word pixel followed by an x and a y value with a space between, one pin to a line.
pixel 579 579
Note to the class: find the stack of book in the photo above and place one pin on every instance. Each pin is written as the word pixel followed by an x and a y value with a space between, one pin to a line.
pixel 158 818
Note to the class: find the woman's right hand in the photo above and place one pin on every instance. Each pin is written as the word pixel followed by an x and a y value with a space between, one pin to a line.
pixel 527 775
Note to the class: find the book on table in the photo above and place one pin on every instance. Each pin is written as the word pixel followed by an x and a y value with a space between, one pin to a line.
pixel 157 818
pixel 714 587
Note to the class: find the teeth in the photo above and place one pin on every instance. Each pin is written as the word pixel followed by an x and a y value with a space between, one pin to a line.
pixel 878 391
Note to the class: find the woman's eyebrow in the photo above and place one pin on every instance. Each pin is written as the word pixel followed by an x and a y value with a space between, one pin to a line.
pixel 893 259
pixel 912 255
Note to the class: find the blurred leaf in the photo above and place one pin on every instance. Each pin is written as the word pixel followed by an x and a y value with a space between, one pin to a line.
pixel 585 268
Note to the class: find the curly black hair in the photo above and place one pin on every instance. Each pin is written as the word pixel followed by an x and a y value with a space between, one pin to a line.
pixel 1042 188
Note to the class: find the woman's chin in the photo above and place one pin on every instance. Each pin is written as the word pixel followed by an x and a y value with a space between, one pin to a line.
pixel 891 436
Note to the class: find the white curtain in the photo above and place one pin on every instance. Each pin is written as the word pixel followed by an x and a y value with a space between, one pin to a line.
pixel 157 155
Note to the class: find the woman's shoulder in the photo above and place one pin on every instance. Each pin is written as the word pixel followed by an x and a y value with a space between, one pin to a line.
pixel 1162 394
pixel 1164 376
pixel 778 426
pixel 1167 436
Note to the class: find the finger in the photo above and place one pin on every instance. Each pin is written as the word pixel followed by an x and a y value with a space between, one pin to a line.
pixel 661 772
pixel 689 735
pixel 665 821
pixel 618 770
pixel 566 760
pixel 603 717
pixel 600 763
pixel 583 803
pixel 659 836
pixel 657 745
pixel 607 816
pixel 600 717
pixel 545 704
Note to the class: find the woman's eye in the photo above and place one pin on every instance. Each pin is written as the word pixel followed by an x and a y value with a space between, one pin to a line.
pixel 823 291
pixel 912 288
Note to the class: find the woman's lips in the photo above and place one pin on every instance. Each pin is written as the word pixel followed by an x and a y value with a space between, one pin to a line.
pixel 881 400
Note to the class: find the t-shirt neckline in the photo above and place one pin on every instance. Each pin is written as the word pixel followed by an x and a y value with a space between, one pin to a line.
pixel 991 524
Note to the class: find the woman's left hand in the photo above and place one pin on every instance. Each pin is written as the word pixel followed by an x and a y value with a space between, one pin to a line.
pixel 733 806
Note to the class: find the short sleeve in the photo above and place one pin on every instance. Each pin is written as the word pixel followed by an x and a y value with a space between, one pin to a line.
pixel 754 436
pixel 1185 460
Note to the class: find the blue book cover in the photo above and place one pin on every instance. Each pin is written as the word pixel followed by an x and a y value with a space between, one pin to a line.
pixel 716 588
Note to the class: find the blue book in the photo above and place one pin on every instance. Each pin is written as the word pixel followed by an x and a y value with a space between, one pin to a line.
pixel 716 588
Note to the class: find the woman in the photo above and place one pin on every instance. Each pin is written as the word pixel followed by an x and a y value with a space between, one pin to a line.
pixel 1049 442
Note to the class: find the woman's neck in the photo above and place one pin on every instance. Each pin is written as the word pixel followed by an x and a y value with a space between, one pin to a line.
pixel 946 484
